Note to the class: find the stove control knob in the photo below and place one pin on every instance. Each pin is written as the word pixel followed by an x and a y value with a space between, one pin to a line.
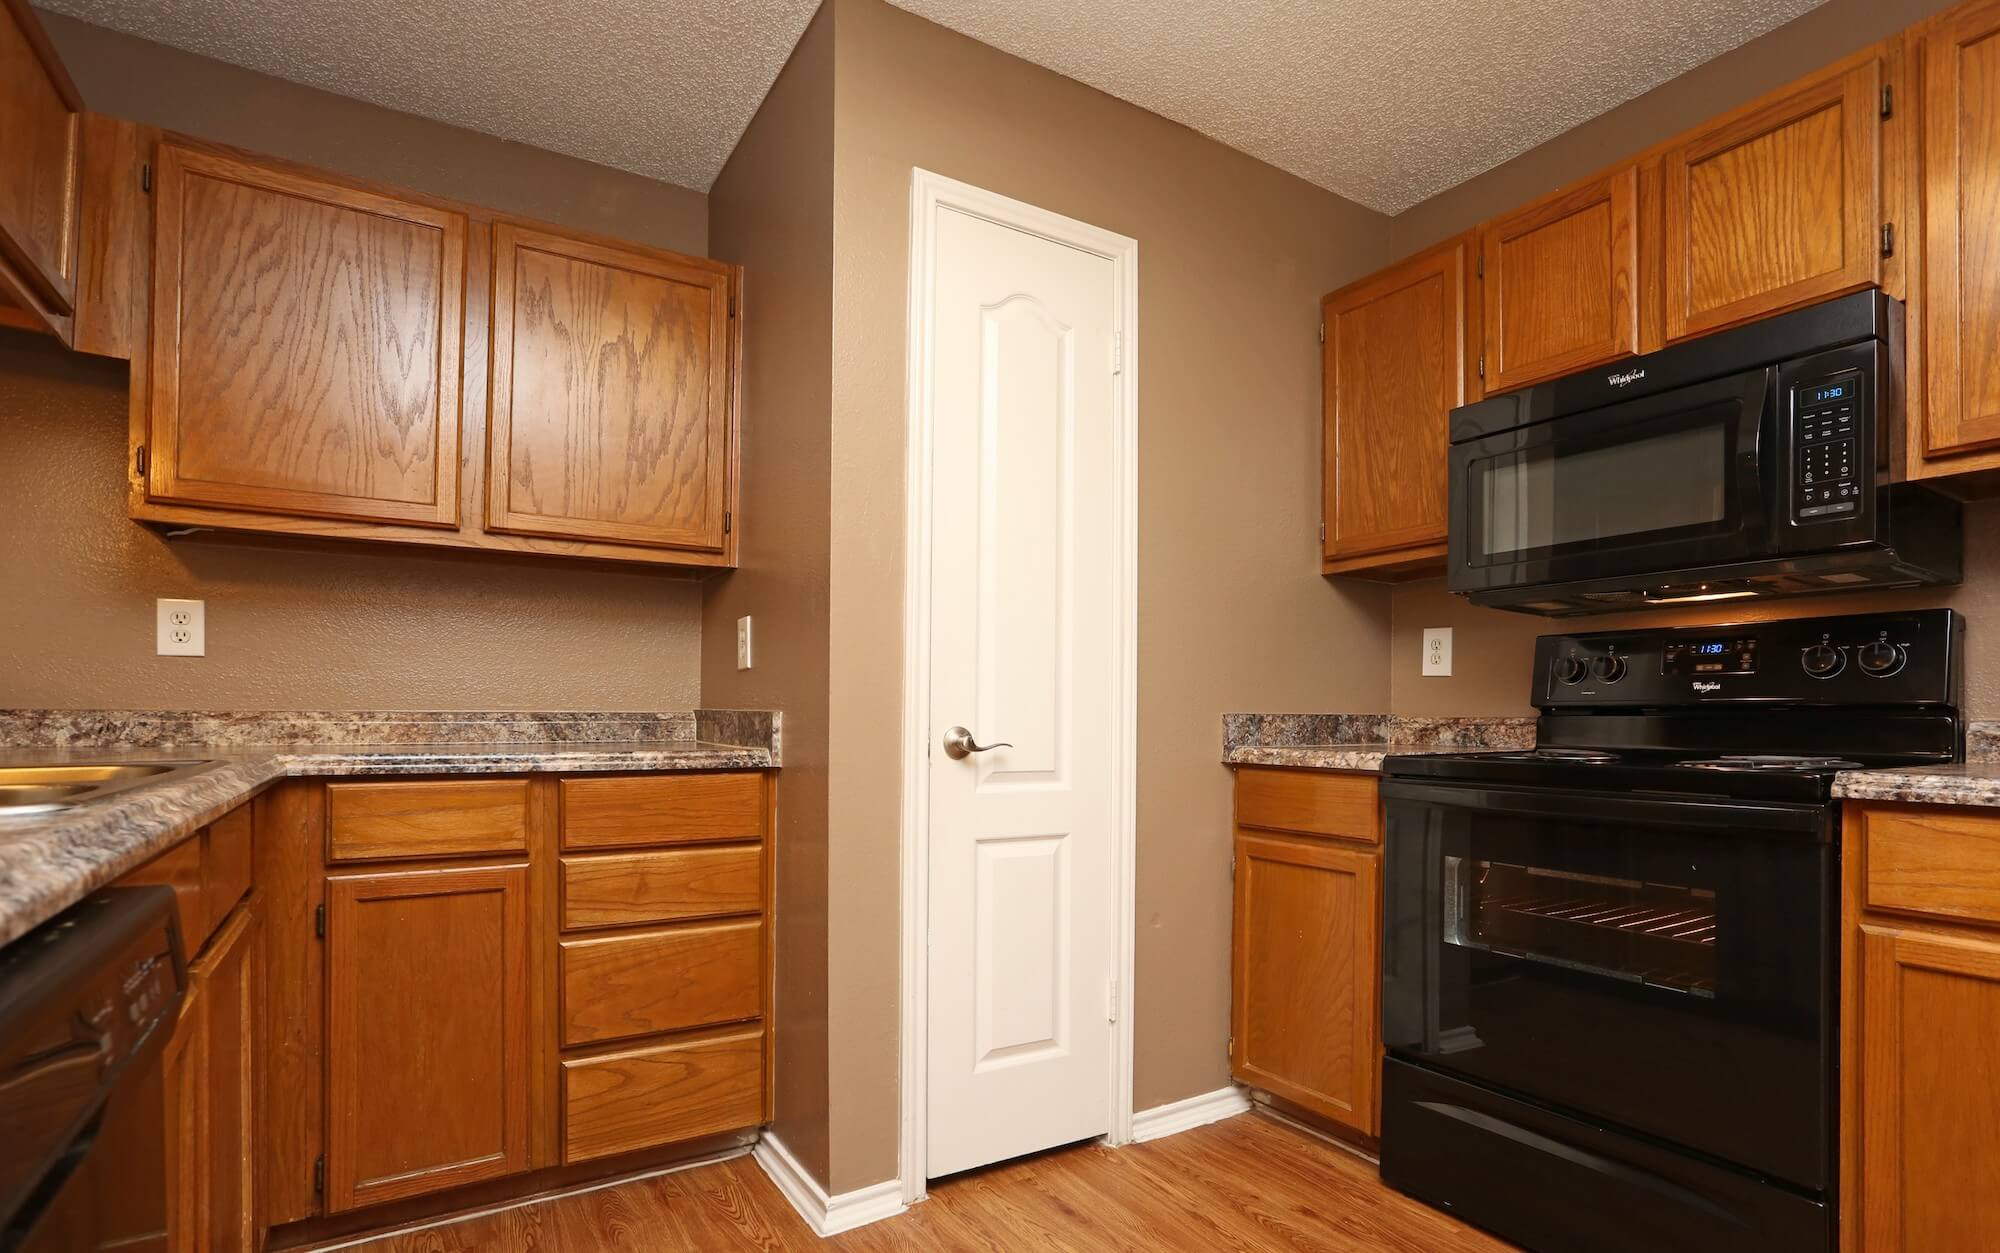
pixel 1822 661
pixel 1609 668
pixel 1880 658
pixel 1571 669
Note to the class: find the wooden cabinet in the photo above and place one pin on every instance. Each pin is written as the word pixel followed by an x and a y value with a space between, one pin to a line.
pixel 1920 1123
pixel 427 1031
pixel 611 392
pixel 1395 364
pixel 1305 963
pixel 41 130
pixel 305 345
pixel 1560 280
pixel 227 977
pixel 1775 205
pixel 1959 172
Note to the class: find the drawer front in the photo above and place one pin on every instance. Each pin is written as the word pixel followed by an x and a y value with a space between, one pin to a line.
pixel 637 888
pixel 661 809
pixel 225 870
pixel 632 985
pixel 1936 861
pixel 651 1096
pixel 1314 802
pixel 388 821
pixel 180 869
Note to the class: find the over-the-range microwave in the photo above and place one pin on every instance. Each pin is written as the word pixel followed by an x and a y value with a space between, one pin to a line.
pixel 1751 462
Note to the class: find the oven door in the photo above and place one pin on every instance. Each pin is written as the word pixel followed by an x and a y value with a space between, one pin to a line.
pixel 1664 965
pixel 1659 483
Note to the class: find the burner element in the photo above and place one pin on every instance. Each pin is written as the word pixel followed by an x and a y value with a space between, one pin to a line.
pixel 1587 756
pixel 1774 761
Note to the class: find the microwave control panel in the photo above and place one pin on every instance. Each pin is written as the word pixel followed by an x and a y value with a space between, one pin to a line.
pixel 1828 452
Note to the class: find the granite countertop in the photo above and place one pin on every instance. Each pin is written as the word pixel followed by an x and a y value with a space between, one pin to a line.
pixel 1359 741
pixel 1968 783
pixel 49 862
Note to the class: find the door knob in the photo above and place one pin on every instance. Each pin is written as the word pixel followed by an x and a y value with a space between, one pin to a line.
pixel 959 744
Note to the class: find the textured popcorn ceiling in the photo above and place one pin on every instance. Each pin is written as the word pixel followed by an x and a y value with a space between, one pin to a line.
pixel 1386 102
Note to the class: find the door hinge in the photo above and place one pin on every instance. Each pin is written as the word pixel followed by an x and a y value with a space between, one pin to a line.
pixel 1322 332
pixel 1482 365
pixel 1229 1049
pixel 1479 265
pixel 1111 1001
pixel 1888 239
pixel 319 921
pixel 1888 100
pixel 1118 352
pixel 732 303
pixel 728 520
pixel 319 1175
pixel 146 178
pixel 139 460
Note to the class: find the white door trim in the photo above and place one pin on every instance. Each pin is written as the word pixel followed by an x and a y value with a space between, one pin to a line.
pixel 930 193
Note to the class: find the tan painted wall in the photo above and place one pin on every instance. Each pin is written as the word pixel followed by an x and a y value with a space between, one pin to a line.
pixel 772 211
pixel 1233 257
pixel 293 625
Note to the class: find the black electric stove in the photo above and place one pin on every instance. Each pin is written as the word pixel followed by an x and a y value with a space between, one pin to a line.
pixel 1610 962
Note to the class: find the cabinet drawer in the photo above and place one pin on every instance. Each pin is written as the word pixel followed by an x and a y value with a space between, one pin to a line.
pixel 1310 801
pixel 1943 862
pixel 225 870
pixel 661 809
pixel 386 821
pixel 658 1095
pixel 631 985
pixel 180 869
pixel 667 886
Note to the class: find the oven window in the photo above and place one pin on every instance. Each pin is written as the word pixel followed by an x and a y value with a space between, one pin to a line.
pixel 1662 934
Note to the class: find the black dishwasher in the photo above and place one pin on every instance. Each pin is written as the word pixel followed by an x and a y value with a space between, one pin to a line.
pixel 87 1002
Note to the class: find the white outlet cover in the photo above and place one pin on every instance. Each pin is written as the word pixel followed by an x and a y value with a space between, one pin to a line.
pixel 743 643
pixel 181 628
pixel 1437 652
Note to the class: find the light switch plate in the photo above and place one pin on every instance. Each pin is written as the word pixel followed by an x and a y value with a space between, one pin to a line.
pixel 1437 652
pixel 743 643
pixel 181 628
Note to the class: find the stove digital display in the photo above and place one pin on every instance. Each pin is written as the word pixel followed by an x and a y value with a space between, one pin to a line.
pixel 1702 658
pixel 1715 648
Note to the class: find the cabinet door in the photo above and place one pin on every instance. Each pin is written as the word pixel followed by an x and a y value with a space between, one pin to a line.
pixel 1304 1023
pixel 1560 281
pixel 305 345
pixel 611 393
pixel 1961 179
pixel 228 974
pixel 181 1091
pixel 1394 367
pixel 41 126
pixel 1775 205
pixel 427 1032
pixel 1930 1092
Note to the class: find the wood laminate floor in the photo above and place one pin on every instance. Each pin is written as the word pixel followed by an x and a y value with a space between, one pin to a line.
pixel 1250 1182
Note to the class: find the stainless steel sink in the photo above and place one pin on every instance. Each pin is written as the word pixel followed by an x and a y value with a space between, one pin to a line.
pixel 48 788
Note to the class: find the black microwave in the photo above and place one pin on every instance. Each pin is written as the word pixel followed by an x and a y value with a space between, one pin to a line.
pixel 1752 462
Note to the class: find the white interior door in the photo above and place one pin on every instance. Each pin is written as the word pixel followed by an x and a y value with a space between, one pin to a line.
pixel 1023 851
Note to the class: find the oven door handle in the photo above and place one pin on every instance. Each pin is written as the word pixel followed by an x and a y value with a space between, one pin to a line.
pixel 1601 806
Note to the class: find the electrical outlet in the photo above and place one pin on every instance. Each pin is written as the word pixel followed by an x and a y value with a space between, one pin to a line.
pixel 1437 652
pixel 743 643
pixel 182 628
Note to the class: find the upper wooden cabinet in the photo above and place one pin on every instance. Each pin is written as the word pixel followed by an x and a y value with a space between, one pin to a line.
pixel 305 345
pixel 611 392
pixel 1960 177
pixel 1775 205
pixel 1561 282
pixel 1395 364
pixel 41 130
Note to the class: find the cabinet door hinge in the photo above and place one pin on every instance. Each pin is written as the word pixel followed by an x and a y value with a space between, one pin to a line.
pixel 139 460
pixel 1479 265
pixel 1229 1049
pixel 319 1175
pixel 728 520
pixel 1322 539
pixel 1322 332
pixel 319 922
pixel 1482 365
pixel 1888 239
pixel 146 178
pixel 1111 1001
pixel 1888 100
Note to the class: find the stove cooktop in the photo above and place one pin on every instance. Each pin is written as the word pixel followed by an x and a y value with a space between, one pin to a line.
pixel 1681 771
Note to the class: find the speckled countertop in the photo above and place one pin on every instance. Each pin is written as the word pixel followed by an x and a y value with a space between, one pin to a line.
pixel 1359 741
pixel 49 862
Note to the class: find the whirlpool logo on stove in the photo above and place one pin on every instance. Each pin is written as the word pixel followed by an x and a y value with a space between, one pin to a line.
pixel 1707 685
pixel 1629 376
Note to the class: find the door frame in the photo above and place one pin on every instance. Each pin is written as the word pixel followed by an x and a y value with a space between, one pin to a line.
pixel 931 194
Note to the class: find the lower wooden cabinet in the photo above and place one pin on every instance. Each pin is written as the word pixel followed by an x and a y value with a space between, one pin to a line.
pixel 427 1032
pixel 642 1097
pixel 1304 1019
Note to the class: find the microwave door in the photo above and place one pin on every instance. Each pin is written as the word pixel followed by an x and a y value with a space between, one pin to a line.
pixel 1658 483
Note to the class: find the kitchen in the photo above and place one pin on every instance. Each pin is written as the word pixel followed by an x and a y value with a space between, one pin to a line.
pixel 802 242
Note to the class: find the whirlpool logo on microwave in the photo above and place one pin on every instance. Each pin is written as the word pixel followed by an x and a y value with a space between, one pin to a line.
pixel 1620 380
pixel 1707 685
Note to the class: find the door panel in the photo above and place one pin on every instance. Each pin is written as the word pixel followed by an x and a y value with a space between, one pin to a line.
pixel 305 351
pixel 610 392
pixel 1775 206
pixel 427 1059
pixel 41 118
pixel 1961 177
pixel 1022 838
pixel 1560 281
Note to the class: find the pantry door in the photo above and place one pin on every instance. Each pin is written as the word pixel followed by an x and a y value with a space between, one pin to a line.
pixel 1028 716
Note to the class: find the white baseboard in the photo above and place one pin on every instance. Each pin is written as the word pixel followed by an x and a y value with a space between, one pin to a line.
pixel 1186 1115
pixel 828 1216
